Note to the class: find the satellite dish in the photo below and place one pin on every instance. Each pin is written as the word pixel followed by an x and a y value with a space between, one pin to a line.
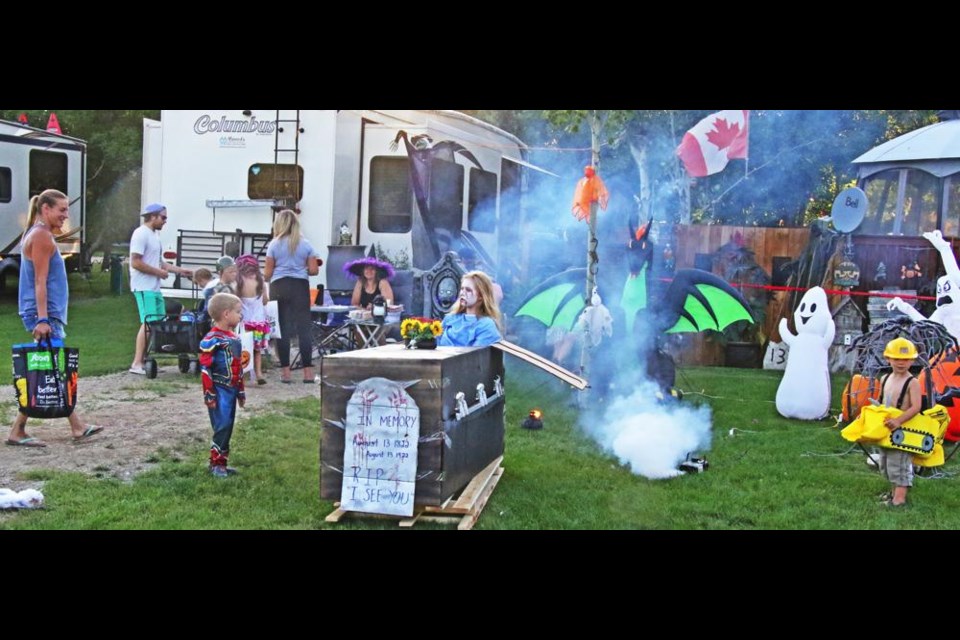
pixel 848 209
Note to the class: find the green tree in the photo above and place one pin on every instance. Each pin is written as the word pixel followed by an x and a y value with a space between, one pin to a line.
pixel 798 159
pixel 114 158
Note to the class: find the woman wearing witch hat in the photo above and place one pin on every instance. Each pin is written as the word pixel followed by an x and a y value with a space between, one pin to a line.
pixel 372 280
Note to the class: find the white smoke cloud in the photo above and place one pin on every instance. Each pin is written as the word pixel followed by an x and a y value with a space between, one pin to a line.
pixel 652 438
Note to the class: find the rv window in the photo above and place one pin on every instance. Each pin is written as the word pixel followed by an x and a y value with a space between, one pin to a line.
pixel 509 190
pixel 881 190
pixel 6 184
pixel 48 170
pixel 482 213
pixel 391 197
pixel 275 182
pixel 951 206
pixel 921 203
pixel 510 245
pixel 446 195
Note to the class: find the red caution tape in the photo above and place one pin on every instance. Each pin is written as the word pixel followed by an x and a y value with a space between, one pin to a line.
pixel 829 292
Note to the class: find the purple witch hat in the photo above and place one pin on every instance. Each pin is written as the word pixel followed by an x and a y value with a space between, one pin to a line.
pixel 356 267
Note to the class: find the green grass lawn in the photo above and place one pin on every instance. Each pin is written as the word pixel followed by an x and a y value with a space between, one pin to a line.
pixel 103 326
pixel 773 473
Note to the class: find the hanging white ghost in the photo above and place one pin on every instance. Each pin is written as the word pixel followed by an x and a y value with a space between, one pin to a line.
pixel 804 391
pixel 595 321
pixel 947 312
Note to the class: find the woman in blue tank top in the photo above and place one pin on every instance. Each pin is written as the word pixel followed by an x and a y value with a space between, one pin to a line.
pixel 43 293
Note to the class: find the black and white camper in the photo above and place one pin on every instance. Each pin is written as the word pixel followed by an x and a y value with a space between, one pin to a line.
pixel 32 160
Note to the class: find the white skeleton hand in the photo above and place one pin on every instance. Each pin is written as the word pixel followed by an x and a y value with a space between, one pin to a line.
pixel 896 305
pixel 936 239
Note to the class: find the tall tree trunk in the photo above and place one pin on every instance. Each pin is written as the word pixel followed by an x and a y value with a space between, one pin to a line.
pixel 592 257
pixel 682 180
pixel 639 153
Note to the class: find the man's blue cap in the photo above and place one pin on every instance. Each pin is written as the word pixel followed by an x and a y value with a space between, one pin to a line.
pixel 156 207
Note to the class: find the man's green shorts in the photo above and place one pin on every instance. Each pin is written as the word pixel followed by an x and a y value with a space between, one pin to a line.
pixel 150 303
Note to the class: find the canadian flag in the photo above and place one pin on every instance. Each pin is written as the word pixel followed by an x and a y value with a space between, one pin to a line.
pixel 713 141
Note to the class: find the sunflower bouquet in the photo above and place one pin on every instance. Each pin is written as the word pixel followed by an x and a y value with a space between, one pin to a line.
pixel 419 330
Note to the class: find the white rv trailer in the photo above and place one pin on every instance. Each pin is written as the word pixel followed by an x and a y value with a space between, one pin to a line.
pixel 32 160
pixel 223 174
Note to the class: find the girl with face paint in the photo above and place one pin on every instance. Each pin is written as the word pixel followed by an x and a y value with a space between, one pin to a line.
pixel 475 317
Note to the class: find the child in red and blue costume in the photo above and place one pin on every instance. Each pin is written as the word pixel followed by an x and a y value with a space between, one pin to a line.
pixel 221 368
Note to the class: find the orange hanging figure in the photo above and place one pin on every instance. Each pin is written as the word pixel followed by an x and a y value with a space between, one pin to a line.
pixel 590 188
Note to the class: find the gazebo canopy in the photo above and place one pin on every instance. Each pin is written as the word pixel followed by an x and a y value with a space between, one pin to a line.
pixel 913 183
pixel 934 148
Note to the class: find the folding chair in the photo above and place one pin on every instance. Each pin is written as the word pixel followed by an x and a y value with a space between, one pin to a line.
pixel 327 339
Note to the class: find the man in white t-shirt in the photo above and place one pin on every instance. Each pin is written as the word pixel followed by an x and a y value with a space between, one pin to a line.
pixel 147 271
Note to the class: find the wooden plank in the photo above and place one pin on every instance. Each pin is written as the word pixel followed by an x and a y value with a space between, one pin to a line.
pixel 472 492
pixel 471 503
pixel 542 363
pixel 726 235
pixel 440 508
pixel 714 239
pixel 336 515
pixel 773 243
pixel 440 519
pixel 685 251
pixel 468 521
pixel 753 240
pixel 409 522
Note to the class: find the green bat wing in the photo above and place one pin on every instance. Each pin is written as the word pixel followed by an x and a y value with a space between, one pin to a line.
pixel 697 300
pixel 557 301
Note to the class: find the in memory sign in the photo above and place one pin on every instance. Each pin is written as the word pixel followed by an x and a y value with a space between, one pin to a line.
pixel 380 449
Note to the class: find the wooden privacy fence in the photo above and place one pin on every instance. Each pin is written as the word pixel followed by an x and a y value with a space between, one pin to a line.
pixel 696 246
pixel 766 242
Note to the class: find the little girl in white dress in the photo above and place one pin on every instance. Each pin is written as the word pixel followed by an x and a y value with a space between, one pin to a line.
pixel 252 291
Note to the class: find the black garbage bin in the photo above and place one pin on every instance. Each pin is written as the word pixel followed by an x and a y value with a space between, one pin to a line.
pixel 116 274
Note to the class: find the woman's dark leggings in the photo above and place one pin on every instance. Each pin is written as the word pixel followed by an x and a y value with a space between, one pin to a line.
pixel 293 308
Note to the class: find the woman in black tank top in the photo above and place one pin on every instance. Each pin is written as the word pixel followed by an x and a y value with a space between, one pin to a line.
pixel 366 298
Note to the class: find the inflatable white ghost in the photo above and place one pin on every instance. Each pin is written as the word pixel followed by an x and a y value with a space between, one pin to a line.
pixel 947 312
pixel 804 392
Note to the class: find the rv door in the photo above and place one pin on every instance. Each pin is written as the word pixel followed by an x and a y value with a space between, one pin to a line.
pixel 389 216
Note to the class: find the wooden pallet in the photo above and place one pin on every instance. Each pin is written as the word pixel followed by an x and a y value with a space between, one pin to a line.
pixel 463 509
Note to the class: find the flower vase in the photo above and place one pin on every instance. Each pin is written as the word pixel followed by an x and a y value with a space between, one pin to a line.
pixel 426 343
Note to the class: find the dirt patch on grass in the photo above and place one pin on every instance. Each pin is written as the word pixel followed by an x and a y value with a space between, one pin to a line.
pixel 141 418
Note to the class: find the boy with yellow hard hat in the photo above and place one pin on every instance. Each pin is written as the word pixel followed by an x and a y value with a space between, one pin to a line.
pixel 901 390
